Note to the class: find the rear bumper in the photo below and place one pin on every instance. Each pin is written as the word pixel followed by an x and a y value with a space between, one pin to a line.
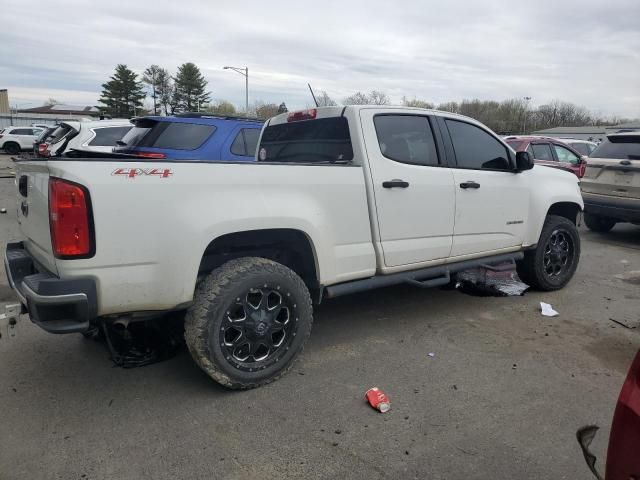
pixel 620 208
pixel 56 305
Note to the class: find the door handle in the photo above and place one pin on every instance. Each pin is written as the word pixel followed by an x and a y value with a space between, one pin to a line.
pixel 395 183
pixel 469 184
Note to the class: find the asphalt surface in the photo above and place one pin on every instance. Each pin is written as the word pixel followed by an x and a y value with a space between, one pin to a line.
pixel 502 397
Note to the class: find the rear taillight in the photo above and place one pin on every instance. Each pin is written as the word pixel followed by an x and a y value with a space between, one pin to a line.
pixel 43 149
pixel 150 155
pixel 302 115
pixel 70 219
pixel 582 169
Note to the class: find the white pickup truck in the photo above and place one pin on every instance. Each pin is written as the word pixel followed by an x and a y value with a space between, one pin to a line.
pixel 339 200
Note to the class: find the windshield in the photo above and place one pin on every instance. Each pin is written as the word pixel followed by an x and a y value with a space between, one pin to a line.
pixel 624 147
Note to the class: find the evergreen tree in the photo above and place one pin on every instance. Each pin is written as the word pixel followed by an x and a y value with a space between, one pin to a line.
pixel 190 88
pixel 123 94
pixel 282 108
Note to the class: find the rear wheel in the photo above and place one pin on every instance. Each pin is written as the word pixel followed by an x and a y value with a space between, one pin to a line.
pixel 250 319
pixel 598 223
pixel 11 148
pixel 554 261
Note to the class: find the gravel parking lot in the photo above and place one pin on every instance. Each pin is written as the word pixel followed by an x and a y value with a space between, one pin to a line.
pixel 502 396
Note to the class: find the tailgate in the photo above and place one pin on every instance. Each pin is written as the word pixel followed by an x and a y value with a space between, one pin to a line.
pixel 32 197
pixel 612 177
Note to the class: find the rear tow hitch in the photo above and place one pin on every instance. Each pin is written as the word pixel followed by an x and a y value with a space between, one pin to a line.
pixel 9 320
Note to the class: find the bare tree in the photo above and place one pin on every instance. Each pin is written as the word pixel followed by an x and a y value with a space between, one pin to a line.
pixel 150 77
pixel 51 102
pixel 375 97
pixel 324 100
pixel 221 107
pixel 416 103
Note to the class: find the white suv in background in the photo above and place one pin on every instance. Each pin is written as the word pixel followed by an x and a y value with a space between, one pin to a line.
pixel 87 136
pixel 15 139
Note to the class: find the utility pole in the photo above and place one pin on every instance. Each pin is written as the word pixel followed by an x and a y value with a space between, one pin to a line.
pixel 526 111
pixel 243 71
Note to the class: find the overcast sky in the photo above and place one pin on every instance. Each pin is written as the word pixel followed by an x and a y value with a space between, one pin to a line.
pixel 583 51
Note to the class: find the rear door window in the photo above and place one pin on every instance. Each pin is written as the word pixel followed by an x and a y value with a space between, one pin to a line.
pixel 246 142
pixel 22 131
pixel 406 139
pixel 108 136
pixel 542 151
pixel 476 148
pixel 326 140
pixel 625 147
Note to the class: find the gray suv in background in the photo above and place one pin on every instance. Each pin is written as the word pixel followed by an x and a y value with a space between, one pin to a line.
pixel 611 183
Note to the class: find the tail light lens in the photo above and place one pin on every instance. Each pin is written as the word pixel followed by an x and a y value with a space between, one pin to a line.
pixel 582 169
pixel 302 115
pixel 70 220
pixel 43 149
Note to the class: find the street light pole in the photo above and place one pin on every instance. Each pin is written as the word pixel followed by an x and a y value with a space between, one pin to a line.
pixel 245 72
pixel 526 110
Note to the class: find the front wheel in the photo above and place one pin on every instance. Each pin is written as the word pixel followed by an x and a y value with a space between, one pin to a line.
pixel 554 261
pixel 250 319
pixel 598 223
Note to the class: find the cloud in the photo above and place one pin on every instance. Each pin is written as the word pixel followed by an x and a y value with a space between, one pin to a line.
pixel 587 52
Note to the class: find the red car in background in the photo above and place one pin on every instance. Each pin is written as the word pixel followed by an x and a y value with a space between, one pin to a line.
pixel 550 152
pixel 623 453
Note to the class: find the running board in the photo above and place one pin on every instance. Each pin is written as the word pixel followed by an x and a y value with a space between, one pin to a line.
pixel 423 278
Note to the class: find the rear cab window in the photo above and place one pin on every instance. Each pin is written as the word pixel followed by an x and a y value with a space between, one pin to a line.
pixel 324 140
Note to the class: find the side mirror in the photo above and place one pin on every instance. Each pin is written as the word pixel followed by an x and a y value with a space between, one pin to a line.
pixel 583 159
pixel 523 161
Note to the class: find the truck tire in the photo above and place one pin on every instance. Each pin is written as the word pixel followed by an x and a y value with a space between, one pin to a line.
pixel 598 223
pixel 12 148
pixel 554 261
pixel 250 319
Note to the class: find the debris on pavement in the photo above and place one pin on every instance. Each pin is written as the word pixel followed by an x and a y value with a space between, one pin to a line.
pixel 623 324
pixel 3 210
pixel 547 310
pixel 431 354
pixel 378 399
pixel 491 281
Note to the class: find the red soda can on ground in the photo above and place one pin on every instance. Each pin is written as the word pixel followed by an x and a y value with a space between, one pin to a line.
pixel 378 399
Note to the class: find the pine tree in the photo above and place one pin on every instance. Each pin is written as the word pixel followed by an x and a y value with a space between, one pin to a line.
pixel 123 94
pixel 190 88
pixel 282 108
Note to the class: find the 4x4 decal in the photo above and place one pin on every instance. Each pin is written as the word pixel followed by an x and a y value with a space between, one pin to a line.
pixel 136 172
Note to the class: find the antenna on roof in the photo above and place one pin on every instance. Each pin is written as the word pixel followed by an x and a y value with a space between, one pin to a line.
pixel 314 97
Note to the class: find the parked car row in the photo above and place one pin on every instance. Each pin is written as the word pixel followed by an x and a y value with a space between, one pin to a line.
pixel 15 139
pixel 551 152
